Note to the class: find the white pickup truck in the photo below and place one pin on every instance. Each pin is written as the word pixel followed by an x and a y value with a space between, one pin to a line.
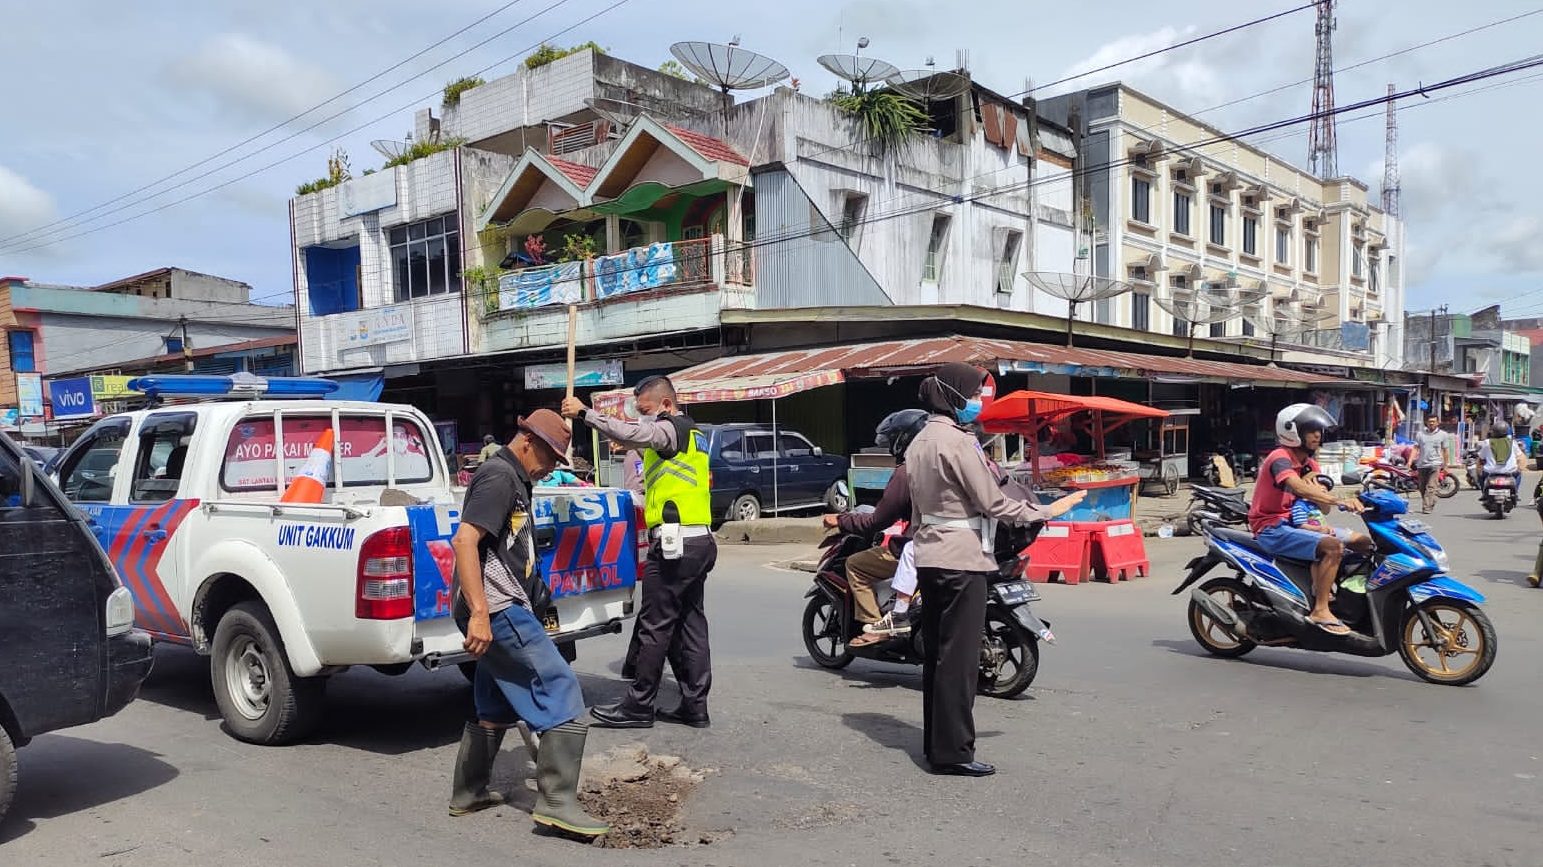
pixel 186 501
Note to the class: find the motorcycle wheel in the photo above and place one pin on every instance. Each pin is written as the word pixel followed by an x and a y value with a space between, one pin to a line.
pixel 1446 486
pixel 1470 636
pixel 822 634
pixel 1209 634
pixel 1192 521
pixel 1009 656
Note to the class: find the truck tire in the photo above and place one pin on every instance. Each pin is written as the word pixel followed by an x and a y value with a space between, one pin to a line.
pixel 7 772
pixel 261 700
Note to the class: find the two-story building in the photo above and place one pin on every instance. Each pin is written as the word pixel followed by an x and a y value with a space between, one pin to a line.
pixel 672 223
pixel 1174 204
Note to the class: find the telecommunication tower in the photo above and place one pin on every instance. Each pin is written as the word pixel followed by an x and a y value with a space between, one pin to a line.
pixel 1322 146
pixel 1390 181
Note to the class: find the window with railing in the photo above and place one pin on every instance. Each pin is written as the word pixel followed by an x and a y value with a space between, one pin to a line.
pixel 1141 198
pixel 1182 204
pixel 1141 311
pixel 1218 224
pixel 1310 255
pixel 1251 236
pixel 1282 245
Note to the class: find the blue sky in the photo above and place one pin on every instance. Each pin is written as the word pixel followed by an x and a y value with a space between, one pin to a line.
pixel 116 96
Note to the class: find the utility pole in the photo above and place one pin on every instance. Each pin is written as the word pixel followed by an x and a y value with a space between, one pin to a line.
pixel 187 351
pixel 1391 186
pixel 1430 378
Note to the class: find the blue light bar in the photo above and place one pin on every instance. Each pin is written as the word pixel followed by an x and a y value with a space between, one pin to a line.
pixel 237 385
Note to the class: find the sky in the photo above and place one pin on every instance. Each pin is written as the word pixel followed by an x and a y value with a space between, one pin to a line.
pixel 102 101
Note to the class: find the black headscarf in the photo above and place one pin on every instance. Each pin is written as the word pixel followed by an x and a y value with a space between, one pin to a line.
pixel 948 389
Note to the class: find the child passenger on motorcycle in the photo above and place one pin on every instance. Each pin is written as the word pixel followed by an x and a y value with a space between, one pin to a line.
pixel 1307 516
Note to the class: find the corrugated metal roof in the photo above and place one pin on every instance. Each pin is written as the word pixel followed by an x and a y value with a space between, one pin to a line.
pixel 899 356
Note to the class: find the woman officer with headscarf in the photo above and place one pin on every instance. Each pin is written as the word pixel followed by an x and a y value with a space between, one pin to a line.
pixel 957 503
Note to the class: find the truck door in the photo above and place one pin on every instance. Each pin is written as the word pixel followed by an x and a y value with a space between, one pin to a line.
pixel 151 511
pixel 88 472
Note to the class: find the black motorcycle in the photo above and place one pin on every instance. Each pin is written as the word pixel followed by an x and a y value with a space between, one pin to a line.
pixel 1224 506
pixel 1009 653
pixel 1498 494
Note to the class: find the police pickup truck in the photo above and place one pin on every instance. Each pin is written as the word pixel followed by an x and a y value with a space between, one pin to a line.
pixel 186 501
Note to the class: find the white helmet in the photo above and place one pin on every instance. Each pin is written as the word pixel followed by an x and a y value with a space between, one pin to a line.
pixel 1298 420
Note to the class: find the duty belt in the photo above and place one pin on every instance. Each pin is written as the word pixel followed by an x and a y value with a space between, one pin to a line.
pixel 687 531
pixel 984 527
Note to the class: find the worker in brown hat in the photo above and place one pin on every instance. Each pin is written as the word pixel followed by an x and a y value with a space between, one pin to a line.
pixel 500 601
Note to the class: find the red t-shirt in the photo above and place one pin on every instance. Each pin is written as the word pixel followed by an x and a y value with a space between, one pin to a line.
pixel 1272 502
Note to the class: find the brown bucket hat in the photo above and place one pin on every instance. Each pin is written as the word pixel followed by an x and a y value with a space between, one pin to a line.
pixel 549 428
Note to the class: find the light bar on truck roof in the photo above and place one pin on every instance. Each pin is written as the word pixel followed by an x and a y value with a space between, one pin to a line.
pixel 236 385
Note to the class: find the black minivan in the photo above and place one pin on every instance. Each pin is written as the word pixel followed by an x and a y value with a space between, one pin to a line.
pixel 69 652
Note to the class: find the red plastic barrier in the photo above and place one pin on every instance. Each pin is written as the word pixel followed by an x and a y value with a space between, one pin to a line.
pixel 1118 551
pixel 1061 549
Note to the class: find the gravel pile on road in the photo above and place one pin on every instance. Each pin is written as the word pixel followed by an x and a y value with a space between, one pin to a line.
pixel 641 797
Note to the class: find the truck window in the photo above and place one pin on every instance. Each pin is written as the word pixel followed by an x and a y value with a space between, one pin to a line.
pixel 86 474
pixel 163 451
pixel 362 448
pixel 12 508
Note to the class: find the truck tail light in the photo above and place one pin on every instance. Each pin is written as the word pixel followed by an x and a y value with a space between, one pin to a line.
pixel 385 589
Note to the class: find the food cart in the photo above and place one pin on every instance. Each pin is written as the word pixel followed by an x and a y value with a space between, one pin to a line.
pixel 1165 461
pixel 1099 534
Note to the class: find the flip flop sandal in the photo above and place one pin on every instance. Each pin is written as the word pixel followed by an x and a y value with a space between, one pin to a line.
pixel 1333 627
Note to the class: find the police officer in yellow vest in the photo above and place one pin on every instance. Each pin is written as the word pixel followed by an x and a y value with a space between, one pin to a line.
pixel 677 505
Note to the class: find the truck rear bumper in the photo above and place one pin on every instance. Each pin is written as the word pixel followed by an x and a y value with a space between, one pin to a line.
pixel 435 661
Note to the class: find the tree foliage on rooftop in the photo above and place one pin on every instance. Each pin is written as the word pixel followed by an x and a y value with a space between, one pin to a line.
pixel 454 89
pixel 888 120
pixel 548 53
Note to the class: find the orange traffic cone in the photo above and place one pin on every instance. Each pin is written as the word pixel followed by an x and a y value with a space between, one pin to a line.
pixel 310 486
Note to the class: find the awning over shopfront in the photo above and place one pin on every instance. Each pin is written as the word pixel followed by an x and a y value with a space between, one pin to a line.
pixel 1031 411
pixel 770 375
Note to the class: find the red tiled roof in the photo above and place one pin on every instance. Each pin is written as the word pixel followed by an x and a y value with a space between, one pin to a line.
pixel 898 356
pixel 581 175
pixel 709 147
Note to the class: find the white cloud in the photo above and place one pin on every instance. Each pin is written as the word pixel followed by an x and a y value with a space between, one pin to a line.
pixel 22 205
pixel 1516 245
pixel 253 77
pixel 1182 77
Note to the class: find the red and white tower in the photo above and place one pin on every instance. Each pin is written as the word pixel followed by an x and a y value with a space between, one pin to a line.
pixel 1322 145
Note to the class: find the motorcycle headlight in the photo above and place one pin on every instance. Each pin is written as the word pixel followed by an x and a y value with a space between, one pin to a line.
pixel 1437 556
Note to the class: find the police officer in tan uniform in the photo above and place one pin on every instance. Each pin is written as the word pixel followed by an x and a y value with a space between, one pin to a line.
pixel 956 504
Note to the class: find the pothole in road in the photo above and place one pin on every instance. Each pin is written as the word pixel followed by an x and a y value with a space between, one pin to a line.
pixel 642 797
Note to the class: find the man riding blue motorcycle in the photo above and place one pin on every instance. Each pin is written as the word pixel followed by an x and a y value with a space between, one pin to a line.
pixel 1287 475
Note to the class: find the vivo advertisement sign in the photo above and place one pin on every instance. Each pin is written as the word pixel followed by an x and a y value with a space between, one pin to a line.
pixel 71 398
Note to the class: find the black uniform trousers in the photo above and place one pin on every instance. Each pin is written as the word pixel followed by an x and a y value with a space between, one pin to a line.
pixel 953 611
pixel 672 626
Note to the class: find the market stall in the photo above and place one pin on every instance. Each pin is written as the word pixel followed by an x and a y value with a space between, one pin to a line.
pixel 1099 534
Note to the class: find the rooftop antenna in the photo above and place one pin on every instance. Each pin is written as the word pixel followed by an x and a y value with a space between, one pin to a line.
pixel 729 67
pixel 1207 305
pixel 1391 187
pixel 859 70
pixel 1075 289
pixel 1276 322
pixel 927 84
pixel 1322 145
pixel 392 150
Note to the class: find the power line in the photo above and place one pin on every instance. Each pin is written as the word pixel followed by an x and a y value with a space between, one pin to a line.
pixel 275 128
pixel 1469 78
pixel 13 250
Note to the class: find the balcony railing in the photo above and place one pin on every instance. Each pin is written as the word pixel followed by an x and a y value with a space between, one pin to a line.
pixel 693 264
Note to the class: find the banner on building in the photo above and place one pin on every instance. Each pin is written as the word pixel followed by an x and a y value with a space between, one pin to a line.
pixel 71 398
pixel 374 327
pixel 586 374
pixel 111 388
pixel 10 418
pixel 635 270
pixel 29 395
pixel 562 283
pixel 367 193
pixel 1355 336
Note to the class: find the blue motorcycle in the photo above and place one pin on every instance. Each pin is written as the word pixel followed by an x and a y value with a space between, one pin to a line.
pixel 1398 599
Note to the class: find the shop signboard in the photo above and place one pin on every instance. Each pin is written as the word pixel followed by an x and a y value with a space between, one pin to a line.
pixel 71 398
pixel 586 374
pixel 374 327
pixel 29 395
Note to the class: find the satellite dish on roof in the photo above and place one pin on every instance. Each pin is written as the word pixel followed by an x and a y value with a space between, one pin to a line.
pixel 391 149
pixel 928 85
pixel 1075 289
pixel 859 70
pixel 729 67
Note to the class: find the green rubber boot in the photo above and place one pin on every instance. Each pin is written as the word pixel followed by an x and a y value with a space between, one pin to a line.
pixel 473 769
pixel 557 779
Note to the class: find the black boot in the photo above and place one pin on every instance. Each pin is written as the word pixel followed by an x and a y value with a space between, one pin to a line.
pixel 473 769
pixel 557 779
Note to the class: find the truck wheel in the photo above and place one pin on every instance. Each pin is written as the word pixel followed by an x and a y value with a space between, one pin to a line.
pixel 747 507
pixel 7 772
pixel 260 698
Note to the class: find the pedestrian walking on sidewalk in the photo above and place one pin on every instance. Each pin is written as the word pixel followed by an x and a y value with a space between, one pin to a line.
pixel 677 506
pixel 1433 454
pixel 501 596
pixel 956 503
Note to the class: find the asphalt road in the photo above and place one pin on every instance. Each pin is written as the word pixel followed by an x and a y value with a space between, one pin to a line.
pixel 1132 749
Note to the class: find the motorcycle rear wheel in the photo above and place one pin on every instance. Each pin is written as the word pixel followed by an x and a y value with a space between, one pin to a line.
pixel 1446 486
pixel 1009 656
pixel 1211 635
pixel 1470 636
pixel 822 634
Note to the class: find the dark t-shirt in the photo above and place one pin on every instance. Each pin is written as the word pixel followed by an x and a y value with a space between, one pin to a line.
pixel 1272 502
pixel 498 503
